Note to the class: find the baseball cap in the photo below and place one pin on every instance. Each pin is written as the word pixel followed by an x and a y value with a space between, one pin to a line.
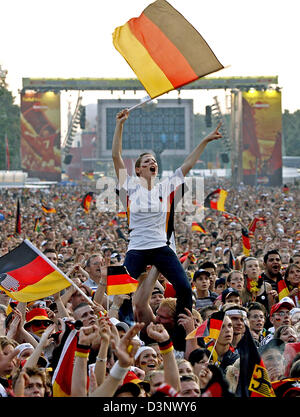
pixel 285 302
pixel 227 292
pixel 199 272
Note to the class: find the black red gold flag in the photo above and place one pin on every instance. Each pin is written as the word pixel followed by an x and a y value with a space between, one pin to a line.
pixel 163 49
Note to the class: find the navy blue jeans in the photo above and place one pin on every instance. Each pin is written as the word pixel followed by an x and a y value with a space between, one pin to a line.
pixel 167 263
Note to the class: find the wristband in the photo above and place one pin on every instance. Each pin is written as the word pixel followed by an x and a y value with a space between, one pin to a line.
pixel 118 372
pixel 165 347
pixel 82 351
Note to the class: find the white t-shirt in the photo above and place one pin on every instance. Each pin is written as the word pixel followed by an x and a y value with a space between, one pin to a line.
pixel 149 211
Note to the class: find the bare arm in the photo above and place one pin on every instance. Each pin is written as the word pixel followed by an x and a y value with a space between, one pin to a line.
pixel 117 143
pixel 79 376
pixel 193 157
pixel 140 301
pixel 125 351
pixel 160 335
pixel 34 357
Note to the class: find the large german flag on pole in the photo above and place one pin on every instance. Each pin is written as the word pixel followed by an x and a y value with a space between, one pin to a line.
pixel 163 49
pixel 26 274
pixel 216 200
pixel 253 377
pixel 119 281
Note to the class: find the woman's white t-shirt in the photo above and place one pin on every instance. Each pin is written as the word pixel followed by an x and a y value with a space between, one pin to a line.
pixel 148 212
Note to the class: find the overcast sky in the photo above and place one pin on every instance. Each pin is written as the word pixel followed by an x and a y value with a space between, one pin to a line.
pixel 72 38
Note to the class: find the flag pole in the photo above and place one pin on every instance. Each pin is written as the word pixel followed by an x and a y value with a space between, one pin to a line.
pixel 143 101
pixel 212 350
pixel 55 267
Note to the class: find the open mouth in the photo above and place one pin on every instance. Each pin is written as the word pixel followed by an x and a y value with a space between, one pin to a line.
pixel 152 169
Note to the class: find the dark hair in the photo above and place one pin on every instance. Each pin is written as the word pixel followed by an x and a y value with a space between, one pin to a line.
pixel 208 264
pixel 138 161
pixel 197 355
pixel 254 305
pixel 271 252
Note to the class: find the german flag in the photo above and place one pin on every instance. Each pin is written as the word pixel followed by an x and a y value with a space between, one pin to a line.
pixel 18 219
pixel 119 281
pixel 62 376
pixel 216 200
pixel 198 227
pixel 86 201
pixel 47 209
pixel 253 377
pixel 201 331
pixel 215 324
pixel 246 241
pixel 282 288
pixel 37 224
pixel 231 261
pixel 122 214
pixel 26 274
pixel 164 50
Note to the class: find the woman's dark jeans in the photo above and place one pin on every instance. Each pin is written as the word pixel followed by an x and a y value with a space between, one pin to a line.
pixel 168 264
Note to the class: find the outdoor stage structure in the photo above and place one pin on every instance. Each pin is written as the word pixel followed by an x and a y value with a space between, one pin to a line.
pixel 253 140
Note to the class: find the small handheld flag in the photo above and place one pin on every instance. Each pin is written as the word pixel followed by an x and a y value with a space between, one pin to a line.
pixel 216 200
pixel 119 281
pixel 86 201
pixel 198 227
pixel 47 209
pixel 246 241
pixel 163 49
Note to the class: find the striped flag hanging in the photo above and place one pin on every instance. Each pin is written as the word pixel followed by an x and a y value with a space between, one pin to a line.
pixel 26 274
pixel 163 49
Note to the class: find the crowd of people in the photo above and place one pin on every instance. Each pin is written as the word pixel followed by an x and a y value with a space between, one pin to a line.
pixel 123 352
pixel 83 342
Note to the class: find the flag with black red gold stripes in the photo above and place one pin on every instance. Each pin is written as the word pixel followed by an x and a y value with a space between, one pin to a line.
pixel 163 49
pixel 26 274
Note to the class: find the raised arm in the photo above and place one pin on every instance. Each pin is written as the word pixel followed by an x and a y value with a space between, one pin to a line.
pixel 158 333
pixel 193 157
pixel 117 142
pixel 125 351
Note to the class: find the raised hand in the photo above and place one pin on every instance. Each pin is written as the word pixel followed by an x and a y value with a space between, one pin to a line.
pixel 157 332
pixel 214 135
pixel 127 347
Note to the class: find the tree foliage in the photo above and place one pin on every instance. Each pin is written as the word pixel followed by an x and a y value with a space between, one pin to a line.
pixel 10 126
pixel 291 133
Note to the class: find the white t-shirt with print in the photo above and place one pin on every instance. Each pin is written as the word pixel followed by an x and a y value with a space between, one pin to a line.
pixel 148 211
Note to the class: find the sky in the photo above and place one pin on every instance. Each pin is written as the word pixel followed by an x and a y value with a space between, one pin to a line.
pixel 72 38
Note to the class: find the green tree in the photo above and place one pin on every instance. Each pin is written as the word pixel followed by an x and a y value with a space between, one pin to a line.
pixel 291 133
pixel 10 126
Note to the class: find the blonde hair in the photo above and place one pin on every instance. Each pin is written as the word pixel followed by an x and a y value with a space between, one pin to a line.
pixel 171 303
pixel 232 375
